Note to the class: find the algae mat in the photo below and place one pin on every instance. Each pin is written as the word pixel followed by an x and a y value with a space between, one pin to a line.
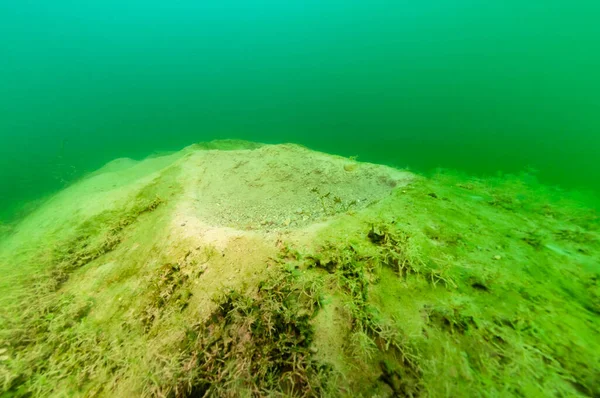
pixel 240 269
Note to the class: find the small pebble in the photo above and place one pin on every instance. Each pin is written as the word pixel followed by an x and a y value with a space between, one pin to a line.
pixel 299 210
pixel 497 257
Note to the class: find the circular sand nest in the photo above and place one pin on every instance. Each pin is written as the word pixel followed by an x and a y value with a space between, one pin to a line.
pixel 283 186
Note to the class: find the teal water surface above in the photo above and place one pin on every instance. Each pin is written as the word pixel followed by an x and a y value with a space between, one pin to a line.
pixel 480 86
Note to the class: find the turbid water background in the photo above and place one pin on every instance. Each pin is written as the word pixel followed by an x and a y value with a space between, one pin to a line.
pixel 480 86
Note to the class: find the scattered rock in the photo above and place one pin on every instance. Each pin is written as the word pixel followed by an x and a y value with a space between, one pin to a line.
pixel 350 166
pixel 497 257
pixel 480 286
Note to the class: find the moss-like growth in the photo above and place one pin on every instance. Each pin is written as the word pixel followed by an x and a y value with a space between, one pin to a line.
pixel 255 345
pixel 48 329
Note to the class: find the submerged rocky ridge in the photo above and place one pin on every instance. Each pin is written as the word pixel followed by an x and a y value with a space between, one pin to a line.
pixel 239 269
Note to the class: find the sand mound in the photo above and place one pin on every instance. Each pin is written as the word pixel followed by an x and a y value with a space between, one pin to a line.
pixel 282 186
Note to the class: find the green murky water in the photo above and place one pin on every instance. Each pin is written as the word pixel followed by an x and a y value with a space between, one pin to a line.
pixel 478 86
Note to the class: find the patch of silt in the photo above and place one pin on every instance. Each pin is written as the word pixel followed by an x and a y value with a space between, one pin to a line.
pixel 284 186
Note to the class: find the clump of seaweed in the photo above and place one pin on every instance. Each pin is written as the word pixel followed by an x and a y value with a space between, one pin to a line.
pixel 166 289
pixel 170 286
pixel 371 335
pixel 253 345
pixel 398 252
